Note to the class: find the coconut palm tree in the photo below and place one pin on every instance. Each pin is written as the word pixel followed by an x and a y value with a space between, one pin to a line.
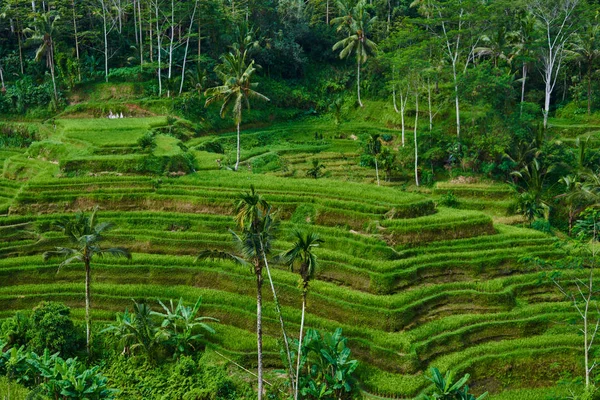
pixel 257 225
pixel 44 30
pixel 356 23
pixel 85 234
pixel 302 252
pixel 236 74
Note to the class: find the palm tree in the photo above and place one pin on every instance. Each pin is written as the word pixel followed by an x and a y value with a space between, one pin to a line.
pixel 302 251
pixel 86 234
pixel 255 219
pixel 356 22
pixel 43 33
pixel 236 73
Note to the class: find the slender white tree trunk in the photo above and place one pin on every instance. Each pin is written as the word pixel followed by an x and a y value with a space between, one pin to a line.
pixel 52 73
pixel 279 313
pixel 2 80
pixel 358 82
pixel 415 136
pixel 237 162
pixel 171 46
pixel 300 346
pixel 376 170
pixel 88 305
pixel 523 87
pixel 456 100
pixel 259 332
pixel 429 105
pixel 76 41
pixel 141 30
pixel 158 52
pixel 105 31
pixel 187 46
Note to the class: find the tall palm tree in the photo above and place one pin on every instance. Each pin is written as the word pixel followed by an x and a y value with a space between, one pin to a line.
pixel 355 22
pixel 236 74
pixel 44 30
pixel 85 234
pixel 302 251
pixel 257 225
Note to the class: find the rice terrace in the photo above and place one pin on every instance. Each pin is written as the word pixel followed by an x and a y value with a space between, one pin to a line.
pixel 321 199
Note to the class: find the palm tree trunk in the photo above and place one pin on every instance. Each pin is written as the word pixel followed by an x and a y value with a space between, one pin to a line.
pixel 376 170
pixel 187 45
pixel 278 309
pixel 76 40
pixel 358 82
pixel 237 162
pixel 141 30
pixel 259 330
pixel 2 80
pixel 88 305
pixel 523 87
pixel 415 133
pixel 52 72
pixel 304 292
pixel 589 91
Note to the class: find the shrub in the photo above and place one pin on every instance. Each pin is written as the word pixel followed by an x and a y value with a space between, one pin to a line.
pixel 52 328
pixel 449 200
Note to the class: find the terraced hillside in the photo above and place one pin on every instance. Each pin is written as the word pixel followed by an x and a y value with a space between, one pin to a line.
pixel 411 284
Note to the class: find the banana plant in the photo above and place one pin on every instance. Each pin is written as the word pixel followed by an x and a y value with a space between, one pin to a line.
pixel 181 326
pixel 446 389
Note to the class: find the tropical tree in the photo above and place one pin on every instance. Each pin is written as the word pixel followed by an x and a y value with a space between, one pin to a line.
pixel 302 253
pixel 236 73
pixel 257 225
pixel 355 22
pixel 586 45
pixel 86 235
pixel 45 28
pixel 373 148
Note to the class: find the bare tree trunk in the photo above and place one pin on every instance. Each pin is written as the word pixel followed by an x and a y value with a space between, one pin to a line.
pixel 523 87
pixel 589 91
pixel 237 162
pixel 76 41
pixel 259 331
pixel 187 45
pixel 20 50
pixel 2 80
pixel 304 292
pixel 415 134
pixel 88 304
pixel 171 47
pixel 135 25
pixel 327 13
pixel 52 72
pixel 279 313
pixel 141 30
pixel 376 170
pixel 158 52
pixel 429 105
pixel 456 101
pixel 102 3
pixel 358 82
